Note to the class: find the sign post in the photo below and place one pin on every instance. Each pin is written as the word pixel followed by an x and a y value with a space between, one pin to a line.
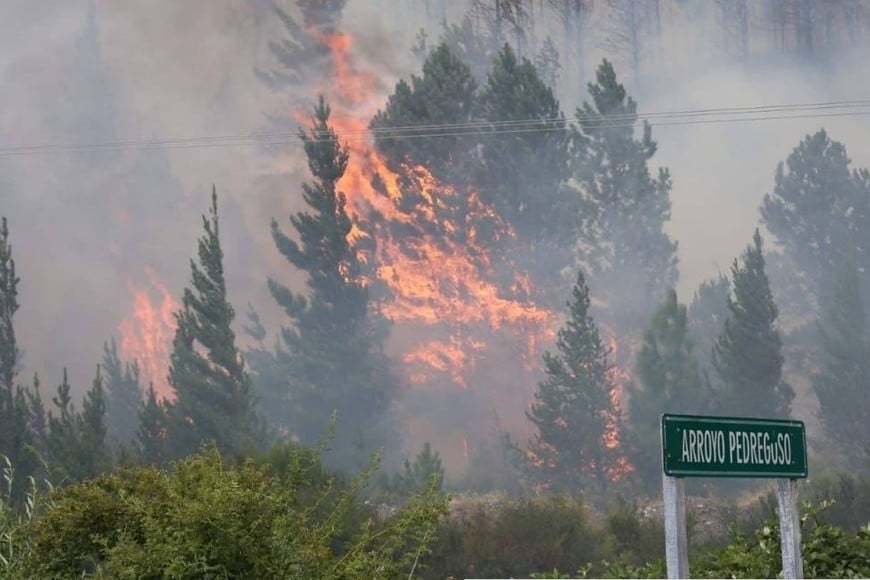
pixel 696 446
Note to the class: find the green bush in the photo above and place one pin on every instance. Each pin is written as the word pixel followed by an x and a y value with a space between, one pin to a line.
pixel 516 539
pixel 205 518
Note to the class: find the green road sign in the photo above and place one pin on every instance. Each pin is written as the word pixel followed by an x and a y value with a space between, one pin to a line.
pixel 694 446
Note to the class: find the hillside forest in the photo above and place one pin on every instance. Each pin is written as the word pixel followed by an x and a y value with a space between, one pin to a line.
pixel 403 287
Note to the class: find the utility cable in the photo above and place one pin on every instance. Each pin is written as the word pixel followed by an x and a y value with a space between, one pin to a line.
pixel 588 123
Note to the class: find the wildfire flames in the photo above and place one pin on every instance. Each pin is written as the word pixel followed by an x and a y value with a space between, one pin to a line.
pixel 146 333
pixel 429 253
pixel 620 378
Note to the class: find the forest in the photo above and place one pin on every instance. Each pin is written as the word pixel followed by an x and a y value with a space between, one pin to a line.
pixel 421 316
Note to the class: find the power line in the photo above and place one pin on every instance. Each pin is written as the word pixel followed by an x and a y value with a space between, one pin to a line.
pixel 588 122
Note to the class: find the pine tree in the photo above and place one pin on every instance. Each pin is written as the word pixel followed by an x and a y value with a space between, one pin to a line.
pixel 748 354
pixel 152 434
pixel 818 210
pixel 8 308
pixel 16 437
pixel 627 207
pixel 213 394
pixel 93 452
pixel 76 441
pixel 522 173
pixel 331 356
pixel 547 63
pixel 416 476
pixel 123 396
pixel 443 95
pixel 574 17
pixel 707 315
pixel 843 384
pixel 572 411
pixel 473 42
pixel 669 382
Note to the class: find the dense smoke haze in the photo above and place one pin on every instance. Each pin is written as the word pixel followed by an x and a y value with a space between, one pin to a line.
pixel 94 229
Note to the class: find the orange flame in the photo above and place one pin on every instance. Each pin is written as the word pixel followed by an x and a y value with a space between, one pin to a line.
pixel 429 253
pixel 619 378
pixel 146 333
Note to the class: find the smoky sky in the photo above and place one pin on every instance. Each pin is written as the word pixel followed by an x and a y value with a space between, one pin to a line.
pixel 186 69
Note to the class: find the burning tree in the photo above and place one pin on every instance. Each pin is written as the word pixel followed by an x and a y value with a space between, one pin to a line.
pixel 331 356
pixel 573 412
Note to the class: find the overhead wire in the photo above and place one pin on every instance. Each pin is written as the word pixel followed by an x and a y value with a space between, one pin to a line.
pixel 591 122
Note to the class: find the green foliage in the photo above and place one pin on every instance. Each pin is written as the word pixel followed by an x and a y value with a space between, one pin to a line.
pixel 76 446
pixel 123 396
pixel 843 382
pixel 572 410
pixel 851 494
pixel 152 434
pixel 213 402
pixel 707 315
pixel 828 552
pixel 748 356
pixel 670 382
pixel 626 208
pixel 16 436
pixel 516 539
pixel 445 94
pixel 416 477
pixel 330 358
pixel 521 173
pixel 818 210
pixel 635 539
pixel 15 547
pixel 208 518
pixel 8 307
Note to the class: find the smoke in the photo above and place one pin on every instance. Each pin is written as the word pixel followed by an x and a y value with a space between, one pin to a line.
pixel 83 223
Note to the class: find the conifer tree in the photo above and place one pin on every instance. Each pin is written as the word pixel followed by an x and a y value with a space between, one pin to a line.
pixel 707 315
pixel 443 95
pixel 16 437
pixel 623 236
pixel 331 356
pixel 213 395
pixel 522 172
pixel 94 453
pixel 416 477
pixel 669 382
pixel 748 356
pixel 8 308
pixel 123 396
pixel 547 63
pixel 76 440
pixel 152 434
pixel 843 384
pixel 572 410
pixel 818 210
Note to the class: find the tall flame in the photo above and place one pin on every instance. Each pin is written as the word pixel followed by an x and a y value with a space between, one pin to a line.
pixel 147 331
pixel 429 252
pixel 620 378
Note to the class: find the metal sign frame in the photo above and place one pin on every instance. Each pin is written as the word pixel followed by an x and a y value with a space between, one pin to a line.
pixel 726 426
pixel 674 496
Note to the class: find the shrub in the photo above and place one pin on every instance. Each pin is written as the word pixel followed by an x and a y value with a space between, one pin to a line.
pixel 205 518
pixel 516 539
